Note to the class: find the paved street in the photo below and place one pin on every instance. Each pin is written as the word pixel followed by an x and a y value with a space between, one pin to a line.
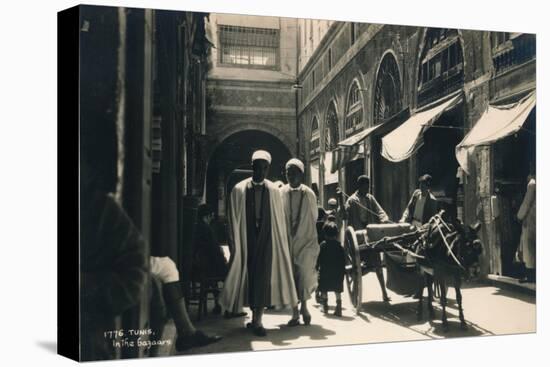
pixel 488 310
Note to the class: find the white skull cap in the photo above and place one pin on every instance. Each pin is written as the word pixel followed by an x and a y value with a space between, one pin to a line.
pixel 261 154
pixel 296 163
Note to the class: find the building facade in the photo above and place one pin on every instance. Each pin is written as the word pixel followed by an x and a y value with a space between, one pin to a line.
pixel 393 102
pixel 251 99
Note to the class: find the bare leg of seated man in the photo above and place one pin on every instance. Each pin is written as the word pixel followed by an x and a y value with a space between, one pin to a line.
pixel 187 335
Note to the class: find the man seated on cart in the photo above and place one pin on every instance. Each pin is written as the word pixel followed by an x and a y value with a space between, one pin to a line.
pixel 422 205
pixel 360 210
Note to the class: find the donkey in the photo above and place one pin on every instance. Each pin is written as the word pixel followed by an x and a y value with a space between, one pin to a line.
pixel 448 251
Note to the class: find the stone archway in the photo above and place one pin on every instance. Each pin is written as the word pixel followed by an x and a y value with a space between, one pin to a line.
pixel 222 134
pixel 230 163
pixel 387 90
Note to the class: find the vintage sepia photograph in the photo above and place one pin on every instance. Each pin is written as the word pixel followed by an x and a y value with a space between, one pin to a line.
pixel 254 183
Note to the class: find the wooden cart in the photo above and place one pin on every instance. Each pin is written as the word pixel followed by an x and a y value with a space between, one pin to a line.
pixel 396 240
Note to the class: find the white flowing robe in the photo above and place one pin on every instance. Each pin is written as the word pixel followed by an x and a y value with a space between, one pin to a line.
pixel 527 214
pixel 304 245
pixel 234 295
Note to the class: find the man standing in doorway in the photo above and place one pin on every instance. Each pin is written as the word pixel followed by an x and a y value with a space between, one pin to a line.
pixel 261 270
pixel 300 209
pixel 362 209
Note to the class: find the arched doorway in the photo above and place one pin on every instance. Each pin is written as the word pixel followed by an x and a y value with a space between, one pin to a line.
pixel 390 180
pixel 332 132
pixel 230 163
pixel 332 137
pixel 314 149
pixel 354 123
pixel 387 91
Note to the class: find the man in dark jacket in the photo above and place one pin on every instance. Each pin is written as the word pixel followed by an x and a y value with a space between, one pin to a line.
pixel 209 263
pixel 423 205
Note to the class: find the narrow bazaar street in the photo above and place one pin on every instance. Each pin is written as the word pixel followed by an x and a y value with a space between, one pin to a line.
pixel 503 311
pixel 300 144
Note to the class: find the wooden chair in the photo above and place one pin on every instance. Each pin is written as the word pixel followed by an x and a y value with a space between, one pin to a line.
pixel 208 285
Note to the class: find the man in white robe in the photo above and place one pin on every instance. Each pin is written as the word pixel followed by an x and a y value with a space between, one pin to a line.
pixel 527 214
pixel 260 273
pixel 300 206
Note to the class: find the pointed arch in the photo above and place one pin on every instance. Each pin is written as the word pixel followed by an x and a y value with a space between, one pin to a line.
pixel 387 89
pixel 315 138
pixel 354 116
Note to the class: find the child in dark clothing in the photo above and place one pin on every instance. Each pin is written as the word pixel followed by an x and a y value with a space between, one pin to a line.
pixel 331 265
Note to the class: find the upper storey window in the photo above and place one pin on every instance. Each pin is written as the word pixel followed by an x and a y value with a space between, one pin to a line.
pixel 249 47
pixel 354 111
pixel 441 65
pixel 511 49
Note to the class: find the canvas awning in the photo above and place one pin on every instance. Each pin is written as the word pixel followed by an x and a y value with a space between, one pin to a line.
pixel 345 154
pixel 314 169
pixel 496 123
pixel 330 177
pixel 351 148
pixel 359 137
pixel 405 140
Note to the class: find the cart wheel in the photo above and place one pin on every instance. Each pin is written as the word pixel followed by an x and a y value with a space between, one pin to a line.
pixel 353 269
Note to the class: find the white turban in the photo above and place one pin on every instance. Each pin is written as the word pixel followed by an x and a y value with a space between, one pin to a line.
pixel 261 154
pixel 296 163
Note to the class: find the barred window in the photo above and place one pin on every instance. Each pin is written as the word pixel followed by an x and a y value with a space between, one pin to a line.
pixel 354 111
pixel 315 138
pixel 500 38
pixel 249 46
pixel 442 57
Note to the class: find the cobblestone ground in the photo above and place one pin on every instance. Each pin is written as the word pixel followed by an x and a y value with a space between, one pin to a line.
pixel 488 310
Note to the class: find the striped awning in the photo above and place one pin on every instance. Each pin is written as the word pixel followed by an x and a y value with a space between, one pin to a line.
pixel 345 154
pixel 358 138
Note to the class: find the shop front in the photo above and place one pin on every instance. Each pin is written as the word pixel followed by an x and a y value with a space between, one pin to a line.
pixel 503 141
pixel 429 136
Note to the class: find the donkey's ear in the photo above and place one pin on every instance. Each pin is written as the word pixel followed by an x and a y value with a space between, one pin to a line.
pixel 476 226
pixel 478 247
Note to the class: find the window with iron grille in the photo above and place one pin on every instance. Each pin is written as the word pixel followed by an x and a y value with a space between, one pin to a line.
pixel 512 49
pixel 315 138
pixel 441 71
pixel 354 111
pixel 499 38
pixel 247 46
